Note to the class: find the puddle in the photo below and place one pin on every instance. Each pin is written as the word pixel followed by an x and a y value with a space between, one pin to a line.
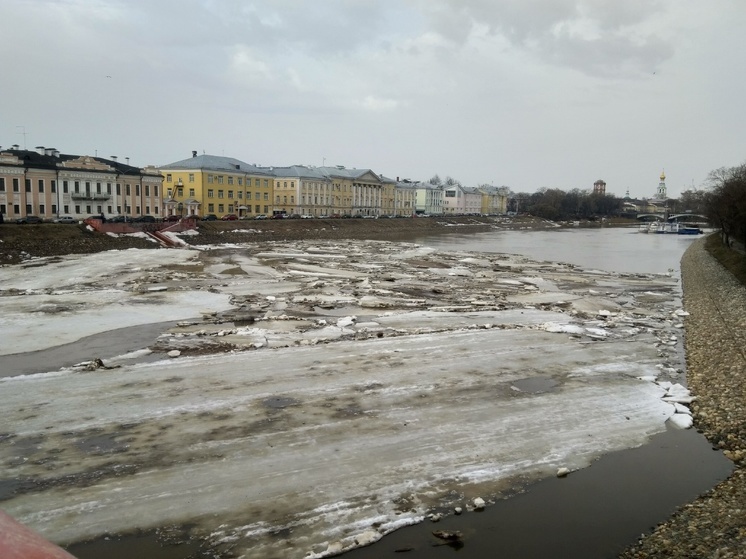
pixel 100 444
pixel 535 385
pixel 280 402
pixel 104 346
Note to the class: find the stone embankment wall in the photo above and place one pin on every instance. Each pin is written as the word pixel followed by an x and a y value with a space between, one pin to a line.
pixel 715 524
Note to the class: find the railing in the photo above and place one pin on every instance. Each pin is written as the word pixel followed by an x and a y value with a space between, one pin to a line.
pixel 89 196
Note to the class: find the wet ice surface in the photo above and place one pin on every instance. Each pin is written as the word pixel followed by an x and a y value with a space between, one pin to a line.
pixel 326 393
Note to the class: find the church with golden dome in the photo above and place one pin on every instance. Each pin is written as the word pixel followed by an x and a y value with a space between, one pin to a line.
pixel 661 193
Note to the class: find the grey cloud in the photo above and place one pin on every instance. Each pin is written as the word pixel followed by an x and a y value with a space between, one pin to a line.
pixel 537 26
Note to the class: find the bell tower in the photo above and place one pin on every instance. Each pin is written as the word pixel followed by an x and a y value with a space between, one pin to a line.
pixel 661 193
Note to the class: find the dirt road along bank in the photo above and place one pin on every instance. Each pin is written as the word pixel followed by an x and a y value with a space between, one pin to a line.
pixel 714 526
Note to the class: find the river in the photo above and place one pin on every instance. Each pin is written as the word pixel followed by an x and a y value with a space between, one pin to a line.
pixel 600 510
pixel 615 249
pixel 596 511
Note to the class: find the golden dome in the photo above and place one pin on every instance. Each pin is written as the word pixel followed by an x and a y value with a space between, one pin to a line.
pixel 663 175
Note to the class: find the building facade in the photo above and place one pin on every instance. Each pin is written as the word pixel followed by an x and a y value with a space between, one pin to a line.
pixel 211 184
pixel 47 183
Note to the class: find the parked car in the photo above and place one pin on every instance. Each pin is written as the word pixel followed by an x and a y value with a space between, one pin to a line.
pixel 120 219
pixel 171 218
pixel 278 216
pixel 261 216
pixel 29 219
pixel 229 217
pixel 65 219
pixel 210 217
pixel 144 219
pixel 306 216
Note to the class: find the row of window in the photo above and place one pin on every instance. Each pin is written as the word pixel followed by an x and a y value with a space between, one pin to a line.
pixel 232 208
pixel 76 187
pixel 15 209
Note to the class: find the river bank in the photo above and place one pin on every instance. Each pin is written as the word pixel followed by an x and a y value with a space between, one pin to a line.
pixel 714 525
pixel 21 242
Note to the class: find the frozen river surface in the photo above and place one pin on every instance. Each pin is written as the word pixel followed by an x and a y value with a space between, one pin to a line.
pixel 330 393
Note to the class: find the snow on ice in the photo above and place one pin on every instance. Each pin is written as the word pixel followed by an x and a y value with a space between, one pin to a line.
pixel 332 392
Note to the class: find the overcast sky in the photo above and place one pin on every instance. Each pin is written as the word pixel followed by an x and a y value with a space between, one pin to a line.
pixel 523 93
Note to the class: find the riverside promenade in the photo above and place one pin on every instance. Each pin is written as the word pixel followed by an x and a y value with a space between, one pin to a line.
pixel 713 526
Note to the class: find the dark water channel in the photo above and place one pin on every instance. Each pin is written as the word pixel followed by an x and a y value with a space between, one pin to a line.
pixel 593 513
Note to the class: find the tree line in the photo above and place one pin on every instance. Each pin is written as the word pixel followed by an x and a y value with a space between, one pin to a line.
pixel 725 203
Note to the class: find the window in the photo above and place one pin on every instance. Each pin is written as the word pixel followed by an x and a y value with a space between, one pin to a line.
pixel 210 193
pixel 88 210
pixel 240 194
pixel 147 209
pixel 137 208
pixel 266 195
pixel 257 208
pixel 137 190
pixel 41 185
pixel 221 208
pixel 210 178
pixel 191 193
pixel 168 192
pixel 147 190
pixel 155 190
pixel 42 209
pixel 127 189
pixel 2 184
pixel 77 186
pixel 98 188
pixel 240 181
pixel 266 183
pixel 119 191
pixel 77 209
pixel 66 209
pixel 450 193
pixel 168 177
pixel 220 179
pixel 119 209
pixel 230 194
pixel 108 190
pixel 99 210
pixel 16 209
pixel 108 209
pixel 230 180
pixel 191 177
pixel 64 187
pixel 28 185
pixel 210 208
pixel 15 186
pixel 220 193
pixel 54 209
pixel 87 187
pixel 180 191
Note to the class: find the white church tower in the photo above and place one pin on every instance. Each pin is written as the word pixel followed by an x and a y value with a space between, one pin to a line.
pixel 661 193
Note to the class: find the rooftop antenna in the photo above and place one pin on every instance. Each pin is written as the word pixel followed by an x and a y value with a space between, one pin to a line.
pixel 23 128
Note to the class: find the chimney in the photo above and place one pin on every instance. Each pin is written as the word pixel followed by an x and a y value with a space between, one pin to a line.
pixel 40 150
pixel 113 157
pixel 127 159
pixel 14 146
pixel 48 151
pixel 55 152
pixel 194 153
pixel 397 179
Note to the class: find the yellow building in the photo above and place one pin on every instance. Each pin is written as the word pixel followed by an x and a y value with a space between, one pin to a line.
pixel 211 184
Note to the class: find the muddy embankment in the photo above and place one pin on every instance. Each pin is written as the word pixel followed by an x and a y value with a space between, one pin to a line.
pixel 20 242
